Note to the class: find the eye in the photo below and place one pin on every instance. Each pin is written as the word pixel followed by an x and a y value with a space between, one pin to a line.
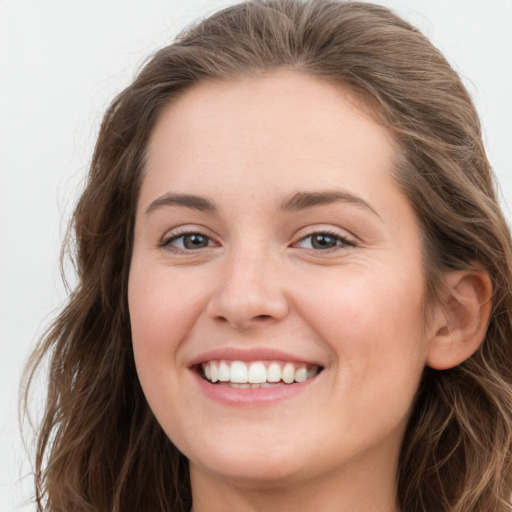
pixel 187 242
pixel 323 241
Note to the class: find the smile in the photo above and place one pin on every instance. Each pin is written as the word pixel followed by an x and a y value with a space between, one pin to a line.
pixel 257 374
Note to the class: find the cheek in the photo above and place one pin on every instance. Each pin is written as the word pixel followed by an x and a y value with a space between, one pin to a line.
pixel 374 324
pixel 163 308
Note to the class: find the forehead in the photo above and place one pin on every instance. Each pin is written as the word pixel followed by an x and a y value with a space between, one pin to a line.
pixel 282 128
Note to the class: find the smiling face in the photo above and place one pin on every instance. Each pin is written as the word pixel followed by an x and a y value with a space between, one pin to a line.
pixel 272 244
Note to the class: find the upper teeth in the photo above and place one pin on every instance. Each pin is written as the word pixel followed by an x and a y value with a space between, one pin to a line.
pixel 257 372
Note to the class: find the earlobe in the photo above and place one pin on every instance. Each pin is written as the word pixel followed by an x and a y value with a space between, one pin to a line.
pixel 461 320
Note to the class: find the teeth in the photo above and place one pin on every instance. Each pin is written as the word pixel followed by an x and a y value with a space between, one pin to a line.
pixel 223 372
pixel 238 372
pixel 273 372
pixel 311 372
pixel 301 374
pixel 288 373
pixel 257 374
pixel 214 372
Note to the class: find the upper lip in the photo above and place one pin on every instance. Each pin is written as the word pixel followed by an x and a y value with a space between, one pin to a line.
pixel 250 354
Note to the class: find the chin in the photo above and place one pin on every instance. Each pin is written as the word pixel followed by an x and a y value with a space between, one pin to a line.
pixel 257 464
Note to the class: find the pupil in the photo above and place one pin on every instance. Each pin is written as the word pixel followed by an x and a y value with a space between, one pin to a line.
pixel 323 241
pixel 195 241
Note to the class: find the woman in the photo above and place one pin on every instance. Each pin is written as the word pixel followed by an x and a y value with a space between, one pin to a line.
pixel 294 281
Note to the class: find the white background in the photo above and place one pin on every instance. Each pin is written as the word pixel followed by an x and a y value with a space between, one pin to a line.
pixel 62 61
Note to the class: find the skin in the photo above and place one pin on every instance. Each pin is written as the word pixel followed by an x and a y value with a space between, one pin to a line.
pixel 357 309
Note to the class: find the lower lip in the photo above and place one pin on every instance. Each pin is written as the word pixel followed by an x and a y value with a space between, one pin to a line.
pixel 251 396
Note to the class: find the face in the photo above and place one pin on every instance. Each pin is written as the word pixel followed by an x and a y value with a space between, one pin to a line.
pixel 276 291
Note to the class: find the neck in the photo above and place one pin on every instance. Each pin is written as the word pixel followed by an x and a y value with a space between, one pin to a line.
pixel 354 489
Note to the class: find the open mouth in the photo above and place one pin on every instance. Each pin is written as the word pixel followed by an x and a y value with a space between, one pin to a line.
pixel 256 374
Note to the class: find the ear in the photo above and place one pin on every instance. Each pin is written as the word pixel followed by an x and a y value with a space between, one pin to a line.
pixel 461 320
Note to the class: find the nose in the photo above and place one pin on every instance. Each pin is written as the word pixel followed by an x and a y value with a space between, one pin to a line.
pixel 249 292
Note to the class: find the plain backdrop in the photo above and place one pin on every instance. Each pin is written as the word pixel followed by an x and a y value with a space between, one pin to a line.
pixel 62 61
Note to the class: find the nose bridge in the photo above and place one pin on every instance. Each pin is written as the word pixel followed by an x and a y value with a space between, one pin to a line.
pixel 249 287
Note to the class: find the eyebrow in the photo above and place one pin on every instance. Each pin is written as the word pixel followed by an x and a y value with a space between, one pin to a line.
pixel 186 200
pixel 295 202
pixel 304 200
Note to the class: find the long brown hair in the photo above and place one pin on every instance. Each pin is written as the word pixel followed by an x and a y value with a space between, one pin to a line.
pixel 99 446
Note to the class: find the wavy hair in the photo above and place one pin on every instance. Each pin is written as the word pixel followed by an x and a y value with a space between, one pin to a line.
pixel 99 447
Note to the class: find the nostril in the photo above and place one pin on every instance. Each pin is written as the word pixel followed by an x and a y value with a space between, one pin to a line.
pixel 262 317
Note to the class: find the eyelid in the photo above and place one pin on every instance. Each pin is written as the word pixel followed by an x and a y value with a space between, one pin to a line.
pixel 181 231
pixel 346 238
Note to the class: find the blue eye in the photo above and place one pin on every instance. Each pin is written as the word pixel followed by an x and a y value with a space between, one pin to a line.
pixel 323 241
pixel 188 241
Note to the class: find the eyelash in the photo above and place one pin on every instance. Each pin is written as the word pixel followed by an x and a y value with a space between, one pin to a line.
pixel 341 241
pixel 167 241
